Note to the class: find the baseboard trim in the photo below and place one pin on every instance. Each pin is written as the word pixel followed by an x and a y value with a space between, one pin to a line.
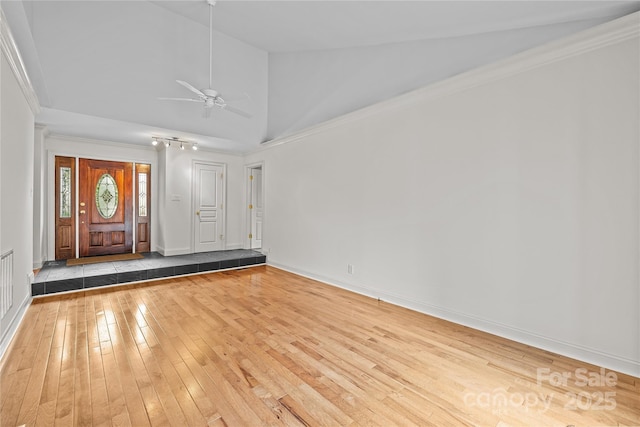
pixel 173 252
pixel 574 351
pixel 7 337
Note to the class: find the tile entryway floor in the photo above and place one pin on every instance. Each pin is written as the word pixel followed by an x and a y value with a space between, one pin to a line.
pixel 55 276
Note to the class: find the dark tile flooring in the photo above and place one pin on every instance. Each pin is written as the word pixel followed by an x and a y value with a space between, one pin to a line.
pixel 55 276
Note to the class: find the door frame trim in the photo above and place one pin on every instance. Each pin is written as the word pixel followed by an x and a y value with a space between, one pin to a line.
pixel 246 217
pixel 194 178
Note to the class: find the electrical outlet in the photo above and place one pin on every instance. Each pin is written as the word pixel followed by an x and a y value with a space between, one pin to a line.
pixel 350 269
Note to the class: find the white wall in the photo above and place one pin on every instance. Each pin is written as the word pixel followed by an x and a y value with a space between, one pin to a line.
pixel 16 187
pixel 4 330
pixel 506 199
pixel 177 216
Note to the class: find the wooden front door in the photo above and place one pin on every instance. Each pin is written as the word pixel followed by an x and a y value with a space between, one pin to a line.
pixel 105 208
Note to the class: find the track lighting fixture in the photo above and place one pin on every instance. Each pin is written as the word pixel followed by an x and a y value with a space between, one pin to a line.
pixel 178 142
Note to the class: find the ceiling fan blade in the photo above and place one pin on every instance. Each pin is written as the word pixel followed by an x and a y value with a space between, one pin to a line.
pixel 244 97
pixel 236 111
pixel 191 88
pixel 180 99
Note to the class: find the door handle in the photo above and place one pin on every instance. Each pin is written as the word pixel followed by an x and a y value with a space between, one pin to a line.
pixel 82 212
pixel 198 213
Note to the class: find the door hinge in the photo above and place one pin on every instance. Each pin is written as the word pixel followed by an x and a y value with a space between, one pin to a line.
pixel 250 236
pixel 250 177
pixel 221 175
pixel 250 206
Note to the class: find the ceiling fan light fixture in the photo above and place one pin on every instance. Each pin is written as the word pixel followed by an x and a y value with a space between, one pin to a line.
pixel 208 96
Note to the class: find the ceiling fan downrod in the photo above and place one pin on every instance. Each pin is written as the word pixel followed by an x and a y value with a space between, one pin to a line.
pixel 211 4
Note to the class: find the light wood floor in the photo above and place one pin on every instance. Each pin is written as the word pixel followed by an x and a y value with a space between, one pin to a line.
pixel 265 347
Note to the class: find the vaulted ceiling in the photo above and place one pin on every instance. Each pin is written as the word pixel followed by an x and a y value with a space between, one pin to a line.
pixel 99 67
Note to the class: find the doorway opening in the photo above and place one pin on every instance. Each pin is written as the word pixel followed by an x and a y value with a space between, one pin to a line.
pixel 208 206
pixel 255 205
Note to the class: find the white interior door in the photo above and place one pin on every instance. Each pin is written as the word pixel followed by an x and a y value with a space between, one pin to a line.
pixel 208 207
pixel 256 208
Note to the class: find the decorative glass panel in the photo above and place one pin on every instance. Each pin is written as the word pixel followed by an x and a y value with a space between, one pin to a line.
pixel 106 196
pixel 142 194
pixel 65 192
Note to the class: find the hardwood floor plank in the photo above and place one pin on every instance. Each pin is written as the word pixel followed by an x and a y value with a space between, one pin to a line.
pixel 132 339
pixel 64 406
pixel 29 410
pixel 116 397
pixel 228 394
pixel 99 394
pixel 82 414
pixel 265 347
pixel 19 344
pixel 171 408
pixel 12 404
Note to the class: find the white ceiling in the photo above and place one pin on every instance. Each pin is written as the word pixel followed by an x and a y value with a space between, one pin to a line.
pixel 98 67
pixel 287 26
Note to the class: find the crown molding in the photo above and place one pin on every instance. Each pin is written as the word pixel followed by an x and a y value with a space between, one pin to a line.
pixel 43 129
pixel 607 34
pixel 81 140
pixel 11 52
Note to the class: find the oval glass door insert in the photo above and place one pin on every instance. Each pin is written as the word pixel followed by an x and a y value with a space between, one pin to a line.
pixel 106 196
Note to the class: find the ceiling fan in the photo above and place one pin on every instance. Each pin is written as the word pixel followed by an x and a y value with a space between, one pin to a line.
pixel 208 97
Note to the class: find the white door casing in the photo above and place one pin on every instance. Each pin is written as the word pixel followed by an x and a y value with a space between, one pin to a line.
pixel 208 208
pixel 256 208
